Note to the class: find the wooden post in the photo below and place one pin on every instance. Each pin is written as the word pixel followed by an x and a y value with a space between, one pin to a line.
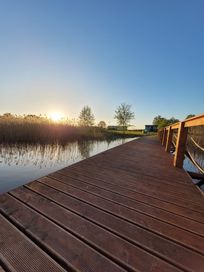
pixel 160 133
pixel 164 137
pixel 169 140
pixel 180 145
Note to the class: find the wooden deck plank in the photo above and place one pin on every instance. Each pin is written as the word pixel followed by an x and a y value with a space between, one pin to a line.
pixel 126 209
pixel 87 164
pixel 108 243
pixel 151 211
pixel 70 251
pixel 124 191
pixel 186 199
pixel 16 251
pixel 136 178
pixel 138 168
pixel 140 163
pixel 92 213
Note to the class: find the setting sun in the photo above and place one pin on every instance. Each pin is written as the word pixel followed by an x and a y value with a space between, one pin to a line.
pixel 56 116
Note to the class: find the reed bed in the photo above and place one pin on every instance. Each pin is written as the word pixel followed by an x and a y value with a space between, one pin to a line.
pixel 31 129
pixel 37 129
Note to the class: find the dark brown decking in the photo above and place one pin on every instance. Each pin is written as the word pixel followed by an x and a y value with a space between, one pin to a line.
pixel 127 209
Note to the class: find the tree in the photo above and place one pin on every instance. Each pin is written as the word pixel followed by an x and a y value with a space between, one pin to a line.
pixel 86 117
pixel 163 122
pixel 173 120
pixel 102 124
pixel 158 120
pixel 190 116
pixel 124 115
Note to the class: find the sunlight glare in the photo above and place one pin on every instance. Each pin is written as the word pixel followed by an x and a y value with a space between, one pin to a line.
pixel 56 116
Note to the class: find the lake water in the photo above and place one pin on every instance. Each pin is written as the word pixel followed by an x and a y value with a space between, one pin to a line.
pixel 189 166
pixel 22 163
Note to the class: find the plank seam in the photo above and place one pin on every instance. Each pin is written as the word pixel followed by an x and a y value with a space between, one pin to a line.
pixel 50 176
pixel 127 207
pixel 145 194
pixel 115 233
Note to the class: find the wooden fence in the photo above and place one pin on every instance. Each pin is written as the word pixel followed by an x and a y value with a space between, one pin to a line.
pixel 167 139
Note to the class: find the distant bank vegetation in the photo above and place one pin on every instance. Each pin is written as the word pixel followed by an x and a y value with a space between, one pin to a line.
pixel 38 128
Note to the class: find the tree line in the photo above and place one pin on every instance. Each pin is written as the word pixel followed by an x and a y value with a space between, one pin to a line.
pixel 161 122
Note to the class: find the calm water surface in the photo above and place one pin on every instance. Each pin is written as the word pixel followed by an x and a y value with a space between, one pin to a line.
pixel 189 166
pixel 22 163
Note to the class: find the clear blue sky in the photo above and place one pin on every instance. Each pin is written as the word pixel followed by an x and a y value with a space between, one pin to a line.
pixel 61 55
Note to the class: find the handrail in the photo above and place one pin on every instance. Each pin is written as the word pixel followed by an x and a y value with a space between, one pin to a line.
pixel 197 120
pixel 166 136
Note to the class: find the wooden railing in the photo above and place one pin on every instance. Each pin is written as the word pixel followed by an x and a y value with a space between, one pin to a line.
pixel 166 137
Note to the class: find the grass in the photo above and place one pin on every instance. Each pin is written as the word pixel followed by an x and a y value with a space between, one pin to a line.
pixel 130 133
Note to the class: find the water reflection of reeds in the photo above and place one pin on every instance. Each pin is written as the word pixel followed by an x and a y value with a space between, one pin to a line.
pixel 44 155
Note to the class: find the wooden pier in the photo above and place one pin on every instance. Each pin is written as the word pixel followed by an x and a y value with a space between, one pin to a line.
pixel 126 209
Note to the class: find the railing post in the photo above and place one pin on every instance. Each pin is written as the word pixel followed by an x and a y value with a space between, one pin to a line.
pixel 160 133
pixel 164 137
pixel 161 136
pixel 169 140
pixel 180 145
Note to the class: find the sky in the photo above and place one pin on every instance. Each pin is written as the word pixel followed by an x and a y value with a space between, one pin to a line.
pixel 59 55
